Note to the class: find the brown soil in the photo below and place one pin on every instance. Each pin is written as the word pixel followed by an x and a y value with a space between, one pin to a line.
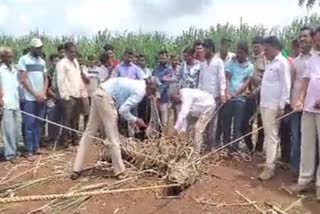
pixel 218 185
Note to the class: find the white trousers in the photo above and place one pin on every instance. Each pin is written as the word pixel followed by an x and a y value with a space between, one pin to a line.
pixel 164 113
pixel 102 111
pixel 271 135
pixel 310 132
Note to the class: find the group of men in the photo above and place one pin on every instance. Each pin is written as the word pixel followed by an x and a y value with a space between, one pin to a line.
pixel 222 92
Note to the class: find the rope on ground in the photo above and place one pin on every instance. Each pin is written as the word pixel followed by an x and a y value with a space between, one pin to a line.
pixel 90 136
pixel 236 140
pixel 76 195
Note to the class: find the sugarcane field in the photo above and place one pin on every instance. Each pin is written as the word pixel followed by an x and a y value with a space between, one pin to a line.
pixel 159 107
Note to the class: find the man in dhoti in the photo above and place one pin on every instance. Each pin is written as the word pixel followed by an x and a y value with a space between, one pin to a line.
pixel 197 108
pixel 113 96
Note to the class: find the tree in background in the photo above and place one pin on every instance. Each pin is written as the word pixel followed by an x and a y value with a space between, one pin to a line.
pixel 308 3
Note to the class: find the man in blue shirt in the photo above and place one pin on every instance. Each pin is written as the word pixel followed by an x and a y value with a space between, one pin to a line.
pixel 35 83
pixel 239 71
pixel 113 96
pixel 164 73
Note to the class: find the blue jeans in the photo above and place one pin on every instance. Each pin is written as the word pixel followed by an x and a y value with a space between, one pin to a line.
pixel 32 126
pixel 11 132
pixel 295 126
pixel 234 111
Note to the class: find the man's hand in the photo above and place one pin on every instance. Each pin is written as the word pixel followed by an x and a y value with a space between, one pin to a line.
pixel 40 98
pixel 317 104
pixel 298 106
pixel 141 124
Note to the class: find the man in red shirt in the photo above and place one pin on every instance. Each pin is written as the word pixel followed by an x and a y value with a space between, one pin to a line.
pixel 108 48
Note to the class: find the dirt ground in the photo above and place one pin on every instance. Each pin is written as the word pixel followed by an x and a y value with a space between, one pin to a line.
pixel 215 193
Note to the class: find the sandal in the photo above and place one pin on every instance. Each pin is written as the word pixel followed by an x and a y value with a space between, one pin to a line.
pixel 121 176
pixel 75 175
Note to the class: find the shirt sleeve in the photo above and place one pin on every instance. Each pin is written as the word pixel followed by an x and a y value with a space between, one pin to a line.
pixel 45 69
pixel 62 88
pixel 22 65
pixel 285 80
pixel 185 109
pixel 125 108
pixel 222 78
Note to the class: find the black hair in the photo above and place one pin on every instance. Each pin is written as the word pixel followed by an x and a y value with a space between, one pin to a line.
pixel 141 56
pixel 68 45
pixel 163 52
pixel 60 47
pixel 128 51
pixel 273 41
pixel 108 47
pixel 208 43
pixel 243 46
pixel 104 57
pixel 257 40
pixel 53 56
pixel 189 50
pixel 91 58
pixel 317 30
pixel 197 43
pixel 310 29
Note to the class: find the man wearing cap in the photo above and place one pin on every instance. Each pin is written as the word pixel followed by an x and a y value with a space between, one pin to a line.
pixel 34 83
pixel 115 95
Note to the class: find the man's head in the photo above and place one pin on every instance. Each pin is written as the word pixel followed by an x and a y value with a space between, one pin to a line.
pixel 305 39
pixel 53 59
pixel 128 56
pixel 316 39
pixel 188 55
pixel 71 50
pixel 91 61
pixel 105 59
pixel 295 44
pixel 142 60
pixel 198 47
pixel 209 48
pixel 242 52
pixel 108 48
pixel 174 60
pixel 152 86
pixel 257 45
pixel 7 56
pixel 163 57
pixel 60 49
pixel 225 45
pixel 36 47
pixel 272 47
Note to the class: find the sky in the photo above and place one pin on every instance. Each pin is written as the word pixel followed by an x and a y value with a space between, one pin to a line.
pixel 86 17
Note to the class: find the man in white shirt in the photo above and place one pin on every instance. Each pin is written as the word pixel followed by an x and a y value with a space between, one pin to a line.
pixel 275 94
pixel 71 89
pixel 196 105
pixel 113 96
pixel 213 80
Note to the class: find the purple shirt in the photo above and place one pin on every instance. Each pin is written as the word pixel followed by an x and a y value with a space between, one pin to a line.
pixel 131 71
pixel 313 74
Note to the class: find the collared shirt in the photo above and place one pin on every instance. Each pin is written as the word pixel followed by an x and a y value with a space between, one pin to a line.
pixel 131 71
pixel 147 71
pixel 313 74
pixel 127 94
pixel 239 73
pixel 229 57
pixel 9 85
pixel 259 64
pixel 70 83
pixel 300 65
pixel 36 72
pixel 105 73
pixel 212 77
pixel 188 75
pixel 275 87
pixel 194 102
pixel 163 73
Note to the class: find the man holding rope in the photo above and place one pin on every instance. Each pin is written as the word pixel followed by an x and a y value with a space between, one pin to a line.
pixel 118 94
pixel 197 107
